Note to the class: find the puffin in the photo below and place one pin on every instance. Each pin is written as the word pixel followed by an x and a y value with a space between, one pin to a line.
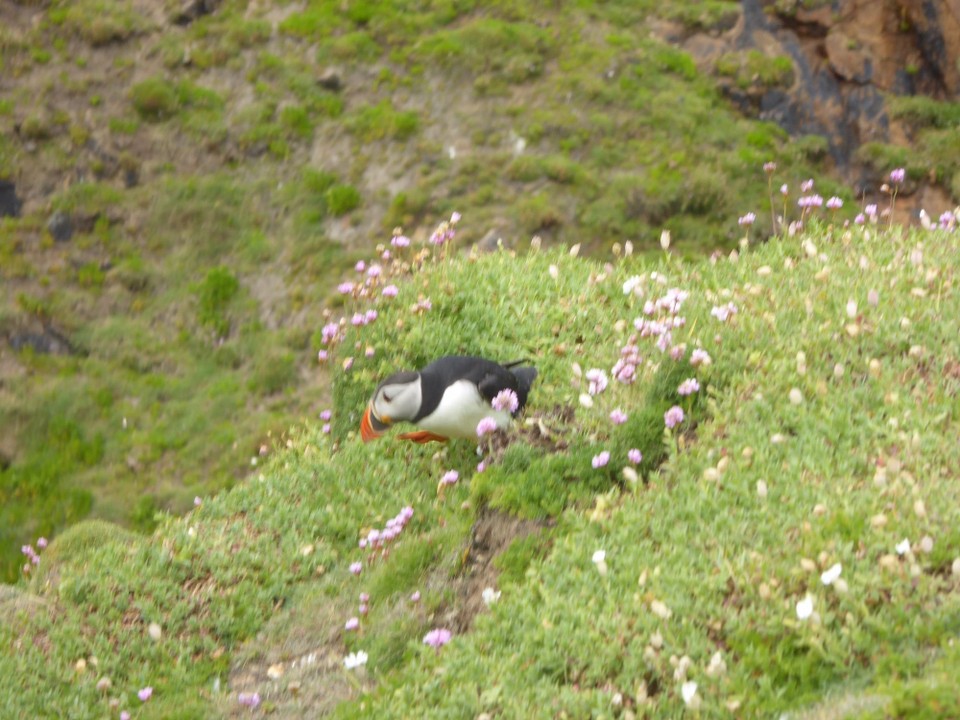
pixel 446 399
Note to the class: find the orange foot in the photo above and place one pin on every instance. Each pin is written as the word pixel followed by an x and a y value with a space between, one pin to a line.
pixel 422 436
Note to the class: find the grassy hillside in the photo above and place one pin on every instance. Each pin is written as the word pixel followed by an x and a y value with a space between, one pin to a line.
pixel 790 546
pixel 218 171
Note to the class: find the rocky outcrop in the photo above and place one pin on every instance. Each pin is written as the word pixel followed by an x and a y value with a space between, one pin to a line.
pixel 9 202
pixel 47 341
pixel 845 56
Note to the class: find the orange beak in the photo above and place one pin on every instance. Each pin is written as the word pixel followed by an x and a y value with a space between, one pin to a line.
pixel 371 427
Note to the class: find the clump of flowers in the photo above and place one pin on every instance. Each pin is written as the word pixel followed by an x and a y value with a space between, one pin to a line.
pixel 380 539
pixel 33 557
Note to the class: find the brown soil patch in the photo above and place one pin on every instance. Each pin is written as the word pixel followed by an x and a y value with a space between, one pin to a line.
pixel 492 533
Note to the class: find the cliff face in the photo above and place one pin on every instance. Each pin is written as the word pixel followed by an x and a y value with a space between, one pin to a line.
pixel 826 69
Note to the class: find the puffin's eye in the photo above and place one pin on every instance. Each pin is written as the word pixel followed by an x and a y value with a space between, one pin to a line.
pixel 387 398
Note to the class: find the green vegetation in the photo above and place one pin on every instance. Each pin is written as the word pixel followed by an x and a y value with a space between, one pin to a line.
pixel 754 68
pixel 204 168
pixel 815 439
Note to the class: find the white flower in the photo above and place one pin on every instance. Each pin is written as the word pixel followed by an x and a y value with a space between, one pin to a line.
pixel 903 547
pixel 599 556
pixel 796 396
pixel 355 660
pixel 805 608
pixel 689 692
pixel 631 284
pixel 665 239
pixel 851 309
pixel 490 596
pixel 660 609
pixel 717 666
pixel 831 574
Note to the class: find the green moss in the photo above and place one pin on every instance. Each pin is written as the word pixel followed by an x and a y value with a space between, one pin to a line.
pixel 214 296
pixel 382 121
pixel 342 199
pixel 155 98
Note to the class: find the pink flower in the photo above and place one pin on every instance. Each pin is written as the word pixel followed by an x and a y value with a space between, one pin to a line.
pixel 415 597
pixel 356 567
pixel 390 291
pixel 806 185
pixel 369 316
pixel 699 357
pixel 481 466
pixel 325 428
pixel 506 400
pixel 41 542
pixel 437 638
pixel 624 371
pixel 364 597
pixel 197 502
pixel 747 220
pixel 897 176
pixel 330 332
pixel 769 167
pixel 345 288
pixel 487 425
pixel 784 189
pixel 352 624
pixel 322 356
pixel 455 218
pixel 860 219
pixel 673 416
pixel 834 203
pixel 124 715
pixel 723 312
pixel 145 693
pixel 400 241
pixel 250 700
pixel 450 477
pixel 374 271
pixel 689 386
pixel 326 415
pixel 370 352
pixel 618 417
pixel 634 456
pixel 600 460
pixel 363 608
pixel 598 381
pixel 360 266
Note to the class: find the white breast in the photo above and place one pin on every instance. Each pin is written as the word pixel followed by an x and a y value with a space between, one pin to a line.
pixel 460 410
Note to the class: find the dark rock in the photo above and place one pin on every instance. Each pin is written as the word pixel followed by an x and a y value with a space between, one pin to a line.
pixel 47 342
pixel 9 202
pixel 60 226
pixel 192 10
pixel 330 80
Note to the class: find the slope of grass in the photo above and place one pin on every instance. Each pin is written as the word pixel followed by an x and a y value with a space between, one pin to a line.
pixel 816 438
pixel 187 154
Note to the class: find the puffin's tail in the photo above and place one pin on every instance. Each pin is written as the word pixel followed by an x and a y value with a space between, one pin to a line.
pixel 525 377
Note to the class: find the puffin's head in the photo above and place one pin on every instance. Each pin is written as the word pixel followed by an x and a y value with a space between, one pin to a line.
pixel 397 398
